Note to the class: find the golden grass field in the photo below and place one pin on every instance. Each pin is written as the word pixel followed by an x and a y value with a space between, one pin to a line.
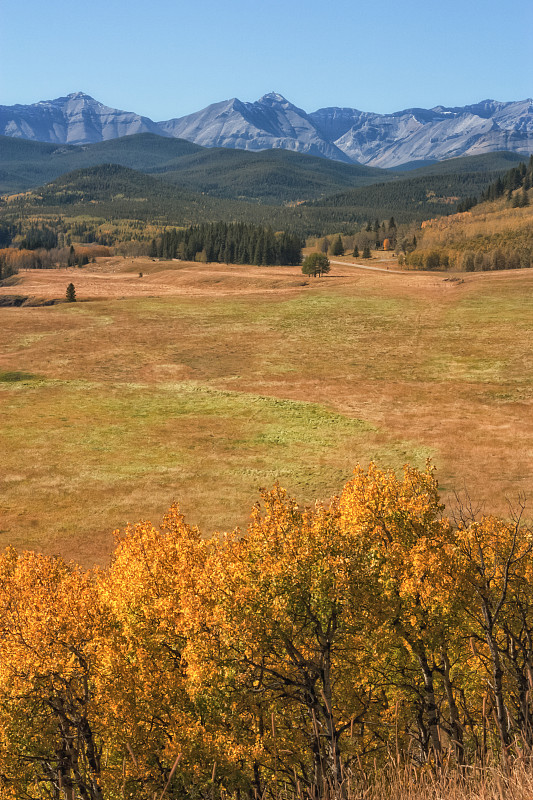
pixel 203 383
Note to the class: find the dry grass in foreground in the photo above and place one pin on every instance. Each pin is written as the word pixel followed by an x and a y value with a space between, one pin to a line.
pixel 399 782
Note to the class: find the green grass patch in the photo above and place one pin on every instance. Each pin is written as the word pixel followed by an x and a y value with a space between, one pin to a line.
pixel 77 444
pixel 16 376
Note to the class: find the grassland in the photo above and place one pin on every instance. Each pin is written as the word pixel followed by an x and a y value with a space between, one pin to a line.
pixel 202 383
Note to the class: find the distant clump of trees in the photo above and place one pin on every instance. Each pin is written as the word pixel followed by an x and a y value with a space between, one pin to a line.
pixel 229 243
pixel 496 258
pixel 42 238
pixel 13 259
pixel 376 235
pixel 316 264
pixel 517 178
pixel 6 269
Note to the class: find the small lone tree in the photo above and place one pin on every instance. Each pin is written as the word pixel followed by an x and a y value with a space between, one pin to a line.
pixel 356 252
pixel 315 264
pixel 366 252
pixel 71 293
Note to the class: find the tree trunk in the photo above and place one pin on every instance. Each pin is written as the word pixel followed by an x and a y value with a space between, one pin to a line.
pixel 456 727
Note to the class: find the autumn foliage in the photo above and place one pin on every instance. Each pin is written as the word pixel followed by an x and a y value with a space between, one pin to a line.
pixel 316 645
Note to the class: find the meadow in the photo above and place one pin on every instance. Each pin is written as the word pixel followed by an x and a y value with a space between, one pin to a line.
pixel 203 383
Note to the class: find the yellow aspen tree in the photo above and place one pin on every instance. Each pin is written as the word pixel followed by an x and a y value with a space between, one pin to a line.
pixel 153 596
pixel 286 635
pixel 397 522
pixel 50 728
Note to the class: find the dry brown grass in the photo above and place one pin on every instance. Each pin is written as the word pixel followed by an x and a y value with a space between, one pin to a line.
pixel 482 223
pixel 204 382
pixel 474 783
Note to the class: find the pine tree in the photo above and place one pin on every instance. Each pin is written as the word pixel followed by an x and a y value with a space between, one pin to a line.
pixel 315 264
pixel 71 293
pixel 337 248
pixel 356 252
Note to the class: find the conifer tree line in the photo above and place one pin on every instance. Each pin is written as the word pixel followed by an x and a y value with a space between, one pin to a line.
pixel 297 655
pixel 229 243
pixel 520 177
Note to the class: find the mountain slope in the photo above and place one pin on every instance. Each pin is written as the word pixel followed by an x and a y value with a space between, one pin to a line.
pixel 434 134
pixel 25 164
pixel 270 176
pixel 110 191
pixel 488 163
pixel 75 119
pixel 272 122
pixel 411 199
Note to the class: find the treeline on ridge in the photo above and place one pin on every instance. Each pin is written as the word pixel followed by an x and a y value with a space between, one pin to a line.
pixel 519 177
pixel 230 243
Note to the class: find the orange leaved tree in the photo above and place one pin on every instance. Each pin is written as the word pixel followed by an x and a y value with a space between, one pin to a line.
pixel 50 725
pixel 297 602
pixel 165 733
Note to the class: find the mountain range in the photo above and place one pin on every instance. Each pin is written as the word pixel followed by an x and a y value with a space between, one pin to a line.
pixel 272 122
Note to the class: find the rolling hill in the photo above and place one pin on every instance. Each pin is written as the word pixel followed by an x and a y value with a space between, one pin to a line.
pixel 270 176
pixel 166 196
pixel 274 176
pixel 423 194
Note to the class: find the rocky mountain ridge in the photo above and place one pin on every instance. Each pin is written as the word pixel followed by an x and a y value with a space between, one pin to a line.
pixel 341 134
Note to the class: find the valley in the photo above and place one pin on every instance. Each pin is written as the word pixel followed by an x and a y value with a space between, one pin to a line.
pixel 202 383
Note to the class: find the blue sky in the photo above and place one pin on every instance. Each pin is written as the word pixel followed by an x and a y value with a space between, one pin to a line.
pixel 168 58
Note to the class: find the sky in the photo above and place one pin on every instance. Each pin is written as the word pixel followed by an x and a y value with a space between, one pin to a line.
pixel 169 58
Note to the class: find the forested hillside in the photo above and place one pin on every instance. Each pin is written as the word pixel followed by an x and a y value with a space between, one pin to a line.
pixel 26 164
pixel 274 176
pixel 107 198
pixel 410 199
pixel 495 230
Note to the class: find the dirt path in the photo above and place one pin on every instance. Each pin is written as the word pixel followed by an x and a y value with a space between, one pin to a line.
pixel 367 266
